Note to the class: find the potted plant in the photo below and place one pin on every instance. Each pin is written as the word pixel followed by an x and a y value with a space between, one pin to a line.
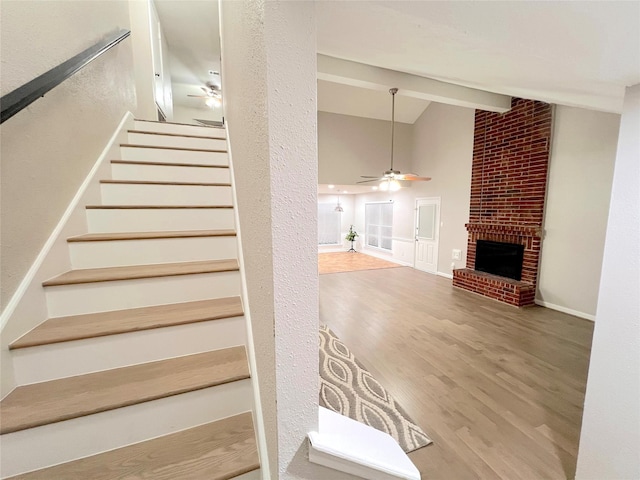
pixel 351 237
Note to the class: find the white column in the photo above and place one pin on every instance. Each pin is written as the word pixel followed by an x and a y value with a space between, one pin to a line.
pixel 610 437
pixel 269 83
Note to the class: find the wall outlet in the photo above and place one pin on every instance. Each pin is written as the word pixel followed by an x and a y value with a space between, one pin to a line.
pixel 456 254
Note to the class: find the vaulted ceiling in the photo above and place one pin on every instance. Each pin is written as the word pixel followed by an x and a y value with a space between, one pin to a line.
pixel 580 53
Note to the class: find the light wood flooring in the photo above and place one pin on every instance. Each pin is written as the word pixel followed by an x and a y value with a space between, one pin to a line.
pixel 335 262
pixel 500 390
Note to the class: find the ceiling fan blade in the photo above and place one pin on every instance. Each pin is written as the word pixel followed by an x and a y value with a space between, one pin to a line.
pixel 412 178
pixel 197 96
pixel 368 176
pixel 377 179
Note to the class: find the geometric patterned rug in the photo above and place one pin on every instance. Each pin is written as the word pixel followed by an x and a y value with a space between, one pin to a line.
pixel 346 387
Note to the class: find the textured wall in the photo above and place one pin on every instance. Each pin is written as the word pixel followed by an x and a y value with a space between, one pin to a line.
pixel 48 148
pixel 290 29
pixel 610 437
pixel 242 32
pixel 272 131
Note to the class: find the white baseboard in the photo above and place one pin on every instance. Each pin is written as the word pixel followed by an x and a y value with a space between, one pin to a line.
pixel 383 256
pixel 445 275
pixel 258 416
pixel 562 309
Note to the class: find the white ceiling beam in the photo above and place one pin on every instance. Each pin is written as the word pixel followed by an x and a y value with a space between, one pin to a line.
pixel 375 78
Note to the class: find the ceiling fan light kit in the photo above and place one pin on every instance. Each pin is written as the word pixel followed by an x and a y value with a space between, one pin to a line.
pixel 390 180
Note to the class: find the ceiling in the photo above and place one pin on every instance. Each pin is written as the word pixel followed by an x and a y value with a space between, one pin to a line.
pixel 361 102
pixel 573 53
pixel 346 189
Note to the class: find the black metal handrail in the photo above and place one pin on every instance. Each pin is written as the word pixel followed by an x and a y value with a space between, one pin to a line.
pixel 28 93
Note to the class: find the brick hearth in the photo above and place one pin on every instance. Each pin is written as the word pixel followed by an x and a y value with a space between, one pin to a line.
pixel 508 185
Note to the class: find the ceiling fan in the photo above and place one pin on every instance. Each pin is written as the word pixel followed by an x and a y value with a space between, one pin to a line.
pixel 391 178
pixel 212 94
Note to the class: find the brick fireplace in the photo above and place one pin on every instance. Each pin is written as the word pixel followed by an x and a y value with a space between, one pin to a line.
pixel 508 186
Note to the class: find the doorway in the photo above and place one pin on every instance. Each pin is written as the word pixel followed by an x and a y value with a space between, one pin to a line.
pixel 427 234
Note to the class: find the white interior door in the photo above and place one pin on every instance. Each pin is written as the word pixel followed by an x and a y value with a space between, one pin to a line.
pixel 156 56
pixel 427 234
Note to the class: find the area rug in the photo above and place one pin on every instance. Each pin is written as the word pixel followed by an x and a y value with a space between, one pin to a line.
pixel 338 262
pixel 346 387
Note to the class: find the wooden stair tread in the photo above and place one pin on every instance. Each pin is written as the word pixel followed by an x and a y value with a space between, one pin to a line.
pixel 177 123
pixel 166 134
pixel 166 164
pixel 77 327
pixel 147 182
pixel 151 207
pixel 109 274
pixel 105 237
pixel 43 403
pixel 135 145
pixel 215 451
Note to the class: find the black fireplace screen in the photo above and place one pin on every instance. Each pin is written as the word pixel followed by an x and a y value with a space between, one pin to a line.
pixel 503 259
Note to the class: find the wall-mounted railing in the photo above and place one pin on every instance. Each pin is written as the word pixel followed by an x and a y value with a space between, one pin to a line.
pixel 23 96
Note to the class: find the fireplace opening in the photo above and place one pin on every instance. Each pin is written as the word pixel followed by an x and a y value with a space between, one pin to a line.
pixel 503 259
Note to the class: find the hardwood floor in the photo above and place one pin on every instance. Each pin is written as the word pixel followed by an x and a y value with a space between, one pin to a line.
pixel 500 390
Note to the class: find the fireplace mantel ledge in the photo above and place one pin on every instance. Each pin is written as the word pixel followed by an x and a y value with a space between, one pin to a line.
pixel 522 230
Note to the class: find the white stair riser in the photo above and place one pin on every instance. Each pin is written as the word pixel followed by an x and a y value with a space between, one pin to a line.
pixel 142 154
pixel 141 194
pixel 159 220
pixel 67 359
pixel 180 129
pixel 116 253
pixel 55 443
pixel 255 475
pixel 161 173
pixel 77 299
pixel 173 141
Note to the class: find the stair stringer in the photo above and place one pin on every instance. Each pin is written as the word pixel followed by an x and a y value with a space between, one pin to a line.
pixel 28 307
pixel 258 417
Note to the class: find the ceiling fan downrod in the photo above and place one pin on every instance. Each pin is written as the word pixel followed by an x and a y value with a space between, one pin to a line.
pixel 393 92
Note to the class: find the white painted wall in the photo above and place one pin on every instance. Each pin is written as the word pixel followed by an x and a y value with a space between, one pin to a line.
pixel 440 146
pixel 352 146
pixel 610 437
pixel 48 149
pixel 581 162
pixel 271 117
pixel 443 150
pixel 242 32
pixel 346 220
pixel 140 15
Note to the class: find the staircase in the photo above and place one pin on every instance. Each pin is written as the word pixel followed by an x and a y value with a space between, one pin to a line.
pixel 141 370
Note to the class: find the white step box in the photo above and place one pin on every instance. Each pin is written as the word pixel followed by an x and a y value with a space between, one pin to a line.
pixel 77 299
pixel 159 219
pixel 164 194
pixel 173 140
pixel 180 129
pixel 116 253
pixel 168 155
pixel 60 442
pixel 169 173
pixel 79 357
